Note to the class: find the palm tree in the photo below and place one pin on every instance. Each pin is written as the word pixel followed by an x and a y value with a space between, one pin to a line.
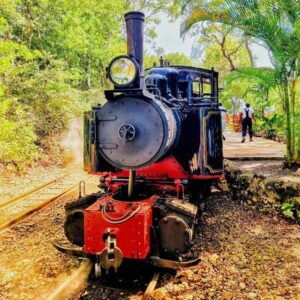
pixel 277 24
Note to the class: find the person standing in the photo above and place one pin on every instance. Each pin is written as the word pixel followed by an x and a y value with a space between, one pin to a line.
pixel 246 118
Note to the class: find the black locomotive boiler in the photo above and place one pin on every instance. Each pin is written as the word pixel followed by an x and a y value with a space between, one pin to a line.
pixel 156 145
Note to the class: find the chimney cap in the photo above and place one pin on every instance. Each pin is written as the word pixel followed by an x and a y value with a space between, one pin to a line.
pixel 134 15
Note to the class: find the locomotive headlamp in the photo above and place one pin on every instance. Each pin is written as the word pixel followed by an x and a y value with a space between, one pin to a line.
pixel 122 71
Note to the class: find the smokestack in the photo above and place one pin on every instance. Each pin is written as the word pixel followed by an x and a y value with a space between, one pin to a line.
pixel 135 35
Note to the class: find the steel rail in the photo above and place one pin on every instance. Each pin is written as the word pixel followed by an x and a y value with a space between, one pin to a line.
pixel 27 204
pixel 72 283
pixel 151 286
pixel 15 198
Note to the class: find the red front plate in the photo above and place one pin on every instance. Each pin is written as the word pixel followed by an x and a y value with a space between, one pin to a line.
pixel 132 235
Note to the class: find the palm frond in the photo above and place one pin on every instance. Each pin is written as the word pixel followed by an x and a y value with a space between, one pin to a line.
pixel 273 21
pixel 203 14
pixel 265 76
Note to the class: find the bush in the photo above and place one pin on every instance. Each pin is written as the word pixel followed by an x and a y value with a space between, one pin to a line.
pixel 272 127
pixel 37 100
pixel 17 137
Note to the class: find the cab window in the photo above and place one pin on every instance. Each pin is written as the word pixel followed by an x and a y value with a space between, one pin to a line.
pixel 206 87
pixel 196 88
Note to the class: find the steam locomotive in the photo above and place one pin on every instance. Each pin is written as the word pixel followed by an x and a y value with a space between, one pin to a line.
pixel 157 146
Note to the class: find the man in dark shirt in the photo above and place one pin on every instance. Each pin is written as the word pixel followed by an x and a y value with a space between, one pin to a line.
pixel 246 117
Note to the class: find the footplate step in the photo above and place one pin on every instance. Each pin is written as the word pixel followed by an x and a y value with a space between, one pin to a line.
pixel 65 248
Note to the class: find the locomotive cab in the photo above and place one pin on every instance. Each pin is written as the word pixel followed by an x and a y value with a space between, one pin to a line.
pixel 156 145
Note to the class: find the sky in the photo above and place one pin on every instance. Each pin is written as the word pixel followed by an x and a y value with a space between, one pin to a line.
pixel 168 37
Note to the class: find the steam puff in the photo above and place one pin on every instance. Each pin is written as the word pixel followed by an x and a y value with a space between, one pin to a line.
pixel 72 144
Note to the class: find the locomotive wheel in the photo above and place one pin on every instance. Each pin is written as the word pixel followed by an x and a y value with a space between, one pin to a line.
pixel 175 234
pixel 74 223
pixel 74 227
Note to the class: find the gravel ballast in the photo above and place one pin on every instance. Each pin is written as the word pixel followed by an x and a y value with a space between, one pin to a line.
pixel 244 255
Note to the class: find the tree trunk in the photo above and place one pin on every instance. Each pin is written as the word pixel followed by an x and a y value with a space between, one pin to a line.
pixel 89 72
pixel 295 120
pixel 286 100
pixel 223 50
pixel 297 150
pixel 249 52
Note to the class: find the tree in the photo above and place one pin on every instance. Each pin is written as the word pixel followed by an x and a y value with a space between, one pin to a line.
pixel 225 49
pixel 86 34
pixel 276 23
pixel 230 42
pixel 37 95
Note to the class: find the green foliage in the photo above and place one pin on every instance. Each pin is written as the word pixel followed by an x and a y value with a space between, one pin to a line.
pixel 265 76
pixel 179 59
pixel 37 99
pixel 270 127
pixel 233 95
pixel 50 96
pixel 224 49
pixel 257 83
pixel 17 136
pixel 86 34
pixel 288 210
pixel 213 57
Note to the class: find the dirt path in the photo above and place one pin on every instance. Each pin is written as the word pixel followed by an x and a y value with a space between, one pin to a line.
pixel 233 148
pixel 271 169
pixel 245 255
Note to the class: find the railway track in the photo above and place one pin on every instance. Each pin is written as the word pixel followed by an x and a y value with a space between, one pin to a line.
pixel 17 208
pixel 72 284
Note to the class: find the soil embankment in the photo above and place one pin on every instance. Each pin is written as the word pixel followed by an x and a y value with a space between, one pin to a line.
pixel 265 185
